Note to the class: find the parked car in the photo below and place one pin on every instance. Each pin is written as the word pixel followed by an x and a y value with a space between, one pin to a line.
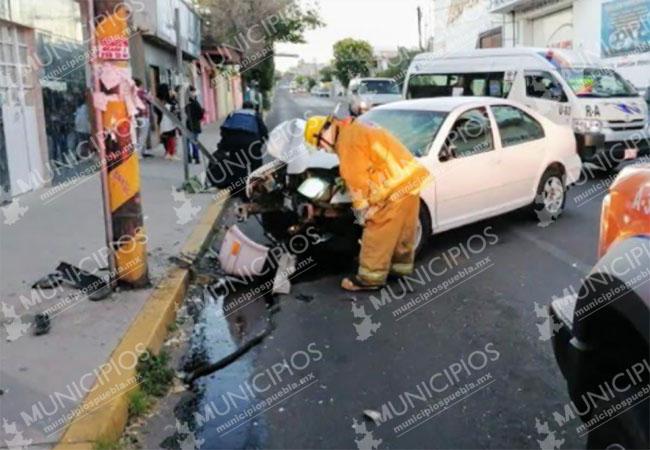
pixel 601 336
pixel 367 93
pixel 487 156
pixel 607 114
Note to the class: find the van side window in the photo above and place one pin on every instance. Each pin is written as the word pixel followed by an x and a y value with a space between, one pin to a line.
pixel 515 126
pixel 471 134
pixel 467 84
pixel 544 85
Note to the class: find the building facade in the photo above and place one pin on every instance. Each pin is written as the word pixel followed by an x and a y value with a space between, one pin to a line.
pixel 615 31
pixel 43 75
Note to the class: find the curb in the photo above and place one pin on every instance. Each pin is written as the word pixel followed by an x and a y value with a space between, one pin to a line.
pixel 107 420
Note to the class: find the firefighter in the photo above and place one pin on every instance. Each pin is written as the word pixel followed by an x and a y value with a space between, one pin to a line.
pixel 384 181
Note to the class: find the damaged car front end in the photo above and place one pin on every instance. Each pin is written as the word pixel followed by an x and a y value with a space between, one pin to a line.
pixel 301 190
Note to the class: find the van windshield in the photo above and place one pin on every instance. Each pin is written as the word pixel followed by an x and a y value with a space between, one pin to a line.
pixel 598 82
pixel 379 87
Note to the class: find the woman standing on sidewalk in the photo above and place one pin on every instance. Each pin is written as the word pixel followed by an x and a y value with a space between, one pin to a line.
pixel 167 127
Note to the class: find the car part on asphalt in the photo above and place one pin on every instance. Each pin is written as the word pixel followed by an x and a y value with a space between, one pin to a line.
pixel 42 324
pixel 240 256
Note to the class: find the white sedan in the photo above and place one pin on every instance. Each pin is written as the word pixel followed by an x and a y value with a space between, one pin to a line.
pixel 487 156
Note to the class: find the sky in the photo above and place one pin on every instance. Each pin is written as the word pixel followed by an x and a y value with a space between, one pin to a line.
pixel 386 24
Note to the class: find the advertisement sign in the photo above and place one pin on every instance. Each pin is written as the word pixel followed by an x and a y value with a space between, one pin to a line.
pixel 113 48
pixel 625 28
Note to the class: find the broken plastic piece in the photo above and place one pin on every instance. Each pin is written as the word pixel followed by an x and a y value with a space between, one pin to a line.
pixel 373 415
pixel 42 324
pixel 286 268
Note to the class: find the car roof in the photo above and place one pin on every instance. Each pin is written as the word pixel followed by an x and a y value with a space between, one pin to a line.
pixel 444 104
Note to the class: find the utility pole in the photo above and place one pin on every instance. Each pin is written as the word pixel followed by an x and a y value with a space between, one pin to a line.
pixel 420 29
pixel 120 169
pixel 182 101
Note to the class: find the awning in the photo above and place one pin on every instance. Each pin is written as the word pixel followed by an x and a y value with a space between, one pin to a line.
pixel 508 6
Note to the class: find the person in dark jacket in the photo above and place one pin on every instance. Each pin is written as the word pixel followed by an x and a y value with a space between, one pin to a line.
pixel 194 113
pixel 239 152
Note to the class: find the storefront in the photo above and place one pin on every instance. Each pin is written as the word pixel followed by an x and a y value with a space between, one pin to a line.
pixel 42 85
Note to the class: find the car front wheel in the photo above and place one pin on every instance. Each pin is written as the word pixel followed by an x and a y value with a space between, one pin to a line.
pixel 423 231
pixel 551 197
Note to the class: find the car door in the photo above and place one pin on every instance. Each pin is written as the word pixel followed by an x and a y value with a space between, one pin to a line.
pixel 522 140
pixel 545 94
pixel 467 171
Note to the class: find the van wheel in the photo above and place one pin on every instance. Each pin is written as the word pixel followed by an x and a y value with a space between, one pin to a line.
pixel 423 231
pixel 551 197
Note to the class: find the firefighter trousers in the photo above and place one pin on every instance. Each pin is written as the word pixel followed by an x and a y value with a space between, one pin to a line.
pixel 388 242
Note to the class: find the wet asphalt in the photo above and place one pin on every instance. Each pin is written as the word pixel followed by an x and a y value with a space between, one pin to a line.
pixel 458 358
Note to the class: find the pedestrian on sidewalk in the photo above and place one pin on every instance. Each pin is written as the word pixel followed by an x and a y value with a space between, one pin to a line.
pixel 167 127
pixel 143 121
pixel 384 181
pixel 194 112
pixel 82 131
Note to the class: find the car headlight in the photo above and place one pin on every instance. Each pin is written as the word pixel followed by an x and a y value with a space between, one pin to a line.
pixel 314 189
pixel 363 105
pixel 587 126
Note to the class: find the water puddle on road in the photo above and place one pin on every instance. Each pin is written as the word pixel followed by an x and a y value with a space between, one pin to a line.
pixel 223 411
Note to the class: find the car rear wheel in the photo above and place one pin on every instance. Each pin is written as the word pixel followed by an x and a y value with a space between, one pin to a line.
pixel 551 196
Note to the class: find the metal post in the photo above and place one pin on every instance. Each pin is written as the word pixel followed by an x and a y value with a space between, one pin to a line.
pixel 182 95
pixel 101 147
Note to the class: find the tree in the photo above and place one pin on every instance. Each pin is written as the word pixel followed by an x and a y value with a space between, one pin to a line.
pixel 398 66
pixel 352 58
pixel 327 74
pixel 254 26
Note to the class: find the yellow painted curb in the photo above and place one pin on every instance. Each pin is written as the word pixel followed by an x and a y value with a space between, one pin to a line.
pixel 104 412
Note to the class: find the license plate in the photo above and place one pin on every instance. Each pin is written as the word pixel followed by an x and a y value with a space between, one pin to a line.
pixel 631 153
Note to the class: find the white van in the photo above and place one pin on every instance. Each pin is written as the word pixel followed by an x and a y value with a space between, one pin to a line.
pixel 608 115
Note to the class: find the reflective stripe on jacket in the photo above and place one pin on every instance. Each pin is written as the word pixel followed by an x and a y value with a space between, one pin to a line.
pixel 376 166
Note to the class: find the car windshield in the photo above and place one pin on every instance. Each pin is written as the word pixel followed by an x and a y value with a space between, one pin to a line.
pixel 379 87
pixel 415 129
pixel 598 82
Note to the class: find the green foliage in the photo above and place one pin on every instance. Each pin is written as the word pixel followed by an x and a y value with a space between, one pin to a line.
pixel 398 66
pixel 327 74
pixel 352 58
pixel 106 444
pixel 153 374
pixel 139 403
pixel 311 82
pixel 293 23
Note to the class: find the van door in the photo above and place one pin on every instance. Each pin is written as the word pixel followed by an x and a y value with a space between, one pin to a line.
pixel 545 94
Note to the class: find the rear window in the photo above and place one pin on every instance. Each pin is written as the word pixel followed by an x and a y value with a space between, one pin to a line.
pixel 488 84
pixel 415 129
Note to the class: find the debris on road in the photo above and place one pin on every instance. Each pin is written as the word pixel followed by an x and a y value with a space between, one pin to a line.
pixel 42 324
pixel 304 297
pixel 286 268
pixel 373 415
pixel 241 256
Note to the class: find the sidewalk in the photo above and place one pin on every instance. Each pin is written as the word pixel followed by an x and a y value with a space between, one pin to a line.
pixel 44 377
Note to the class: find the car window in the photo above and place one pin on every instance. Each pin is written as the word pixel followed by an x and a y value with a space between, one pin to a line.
pixel 544 85
pixel 415 129
pixel 516 126
pixel 471 134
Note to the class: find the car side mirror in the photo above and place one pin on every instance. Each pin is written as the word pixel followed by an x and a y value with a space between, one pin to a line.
pixel 448 152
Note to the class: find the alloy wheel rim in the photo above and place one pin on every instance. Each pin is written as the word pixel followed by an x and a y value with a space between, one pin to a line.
pixel 553 195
